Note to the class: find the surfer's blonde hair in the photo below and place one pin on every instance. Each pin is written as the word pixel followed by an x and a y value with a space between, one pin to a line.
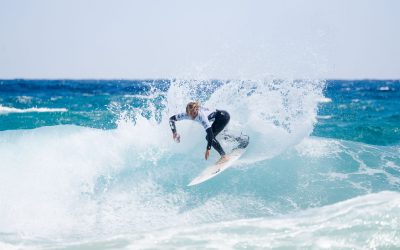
pixel 192 106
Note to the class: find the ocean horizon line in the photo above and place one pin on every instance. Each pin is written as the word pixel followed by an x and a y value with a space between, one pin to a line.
pixel 185 78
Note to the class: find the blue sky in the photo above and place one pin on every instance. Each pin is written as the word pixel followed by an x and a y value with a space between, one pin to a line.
pixel 199 39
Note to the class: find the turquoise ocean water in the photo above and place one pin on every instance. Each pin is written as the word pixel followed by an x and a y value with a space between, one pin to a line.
pixel 91 164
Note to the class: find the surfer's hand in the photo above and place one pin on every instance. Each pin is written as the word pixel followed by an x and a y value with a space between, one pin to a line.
pixel 176 137
pixel 207 154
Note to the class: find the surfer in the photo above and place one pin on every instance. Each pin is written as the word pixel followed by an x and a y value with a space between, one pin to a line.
pixel 204 116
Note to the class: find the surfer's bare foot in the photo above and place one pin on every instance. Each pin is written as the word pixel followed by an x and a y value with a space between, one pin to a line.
pixel 223 159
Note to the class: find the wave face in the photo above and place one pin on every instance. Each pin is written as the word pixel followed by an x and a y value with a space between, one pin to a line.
pixel 70 186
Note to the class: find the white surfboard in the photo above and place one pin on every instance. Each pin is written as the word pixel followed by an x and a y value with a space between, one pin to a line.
pixel 216 168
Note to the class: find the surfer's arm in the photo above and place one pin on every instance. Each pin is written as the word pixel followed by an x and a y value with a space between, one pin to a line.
pixel 172 121
pixel 175 135
pixel 174 118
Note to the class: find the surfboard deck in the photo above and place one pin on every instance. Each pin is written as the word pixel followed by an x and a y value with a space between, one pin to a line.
pixel 216 169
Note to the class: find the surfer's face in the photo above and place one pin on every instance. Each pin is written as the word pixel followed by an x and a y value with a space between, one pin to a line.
pixel 193 113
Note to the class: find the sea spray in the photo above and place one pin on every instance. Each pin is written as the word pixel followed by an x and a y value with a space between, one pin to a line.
pixel 276 114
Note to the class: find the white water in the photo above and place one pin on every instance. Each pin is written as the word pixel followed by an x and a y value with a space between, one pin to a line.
pixel 8 110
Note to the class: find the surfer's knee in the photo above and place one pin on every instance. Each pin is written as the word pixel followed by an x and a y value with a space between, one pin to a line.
pixel 225 116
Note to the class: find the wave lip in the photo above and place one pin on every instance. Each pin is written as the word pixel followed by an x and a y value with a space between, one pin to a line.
pixel 9 110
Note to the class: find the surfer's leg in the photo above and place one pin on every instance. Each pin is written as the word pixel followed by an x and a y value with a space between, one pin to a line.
pixel 215 144
pixel 218 147
pixel 221 120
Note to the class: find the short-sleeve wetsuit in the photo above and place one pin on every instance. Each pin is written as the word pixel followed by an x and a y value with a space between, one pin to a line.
pixel 219 118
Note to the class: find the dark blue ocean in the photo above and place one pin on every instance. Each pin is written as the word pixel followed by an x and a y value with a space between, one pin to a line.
pixel 91 164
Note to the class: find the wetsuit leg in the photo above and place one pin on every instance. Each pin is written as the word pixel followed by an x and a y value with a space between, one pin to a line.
pixel 215 144
pixel 221 120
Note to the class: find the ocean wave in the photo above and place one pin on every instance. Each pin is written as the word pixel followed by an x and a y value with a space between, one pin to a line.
pixel 370 221
pixel 384 88
pixel 324 117
pixel 128 185
pixel 10 110
pixel 134 179
pixel 325 100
